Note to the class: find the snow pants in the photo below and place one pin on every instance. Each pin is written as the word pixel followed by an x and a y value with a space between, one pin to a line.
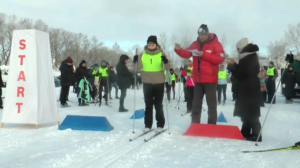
pixel 222 89
pixel 271 86
pixel 103 86
pixel 209 90
pixel 154 94
pixel 189 97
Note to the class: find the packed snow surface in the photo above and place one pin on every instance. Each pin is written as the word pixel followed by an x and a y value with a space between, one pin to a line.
pixel 25 146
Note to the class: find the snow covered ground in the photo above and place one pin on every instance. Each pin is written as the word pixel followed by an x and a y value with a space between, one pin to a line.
pixel 25 146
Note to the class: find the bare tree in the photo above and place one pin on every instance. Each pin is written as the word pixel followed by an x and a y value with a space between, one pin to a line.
pixel 40 25
pixel 224 41
pixel 234 53
pixel 63 43
pixel 292 37
pixel 277 50
pixel 186 40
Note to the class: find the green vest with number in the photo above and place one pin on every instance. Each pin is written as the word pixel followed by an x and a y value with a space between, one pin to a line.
pixel 94 73
pixel 222 74
pixel 189 73
pixel 152 63
pixel 271 71
pixel 103 71
pixel 173 77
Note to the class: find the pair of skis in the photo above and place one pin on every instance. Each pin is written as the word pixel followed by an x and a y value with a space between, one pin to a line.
pixel 145 133
pixel 274 149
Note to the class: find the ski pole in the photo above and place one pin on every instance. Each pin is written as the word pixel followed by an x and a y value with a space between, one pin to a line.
pixel 270 105
pixel 166 102
pixel 100 90
pixel 178 103
pixel 134 98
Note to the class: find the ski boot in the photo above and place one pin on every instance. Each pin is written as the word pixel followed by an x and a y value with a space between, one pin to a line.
pixel 147 130
pixel 123 110
pixel 159 130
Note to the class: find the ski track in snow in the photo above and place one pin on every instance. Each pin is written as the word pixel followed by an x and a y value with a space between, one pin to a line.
pixel 24 146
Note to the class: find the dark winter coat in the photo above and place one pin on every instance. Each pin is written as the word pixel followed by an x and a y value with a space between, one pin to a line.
pixel 66 71
pixel 248 85
pixel 1 81
pixel 233 82
pixel 123 74
pixel 289 79
pixel 91 77
pixel 112 76
pixel 81 72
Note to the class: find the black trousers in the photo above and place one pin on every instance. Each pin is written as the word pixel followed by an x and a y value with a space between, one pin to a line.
pixel 271 86
pixel 250 127
pixel 168 87
pixel 173 88
pixel 233 96
pixel 154 94
pixel 103 86
pixel 64 94
pixel 1 101
pixel 122 97
pixel 264 96
pixel 113 85
pixel 222 89
pixel 209 90
pixel 189 97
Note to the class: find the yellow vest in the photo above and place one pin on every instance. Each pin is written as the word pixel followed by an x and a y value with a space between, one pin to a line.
pixel 222 74
pixel 189 73
pixel 271 71
pixel 103 72
pixel 173 77
pixel 94 72
pixel 152 63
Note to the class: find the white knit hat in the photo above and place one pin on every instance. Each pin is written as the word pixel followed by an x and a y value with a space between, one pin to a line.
pixel 242 43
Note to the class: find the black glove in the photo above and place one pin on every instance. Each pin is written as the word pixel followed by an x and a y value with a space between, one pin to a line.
pixel 135 59
pixel 289 58
pixel 164 59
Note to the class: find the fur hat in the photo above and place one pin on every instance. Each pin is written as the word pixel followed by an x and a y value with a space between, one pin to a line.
pixel 152 39
pixel 242 43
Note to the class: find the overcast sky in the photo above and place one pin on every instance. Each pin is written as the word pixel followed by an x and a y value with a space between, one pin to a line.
pixel 130 22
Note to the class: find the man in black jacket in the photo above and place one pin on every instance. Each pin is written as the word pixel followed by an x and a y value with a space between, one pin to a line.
pixel 113 82
pixel 123 79
pixel 1 85
pixel 66 80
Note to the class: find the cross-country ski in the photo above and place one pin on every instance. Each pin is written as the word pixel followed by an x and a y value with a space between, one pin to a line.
pixel 146 84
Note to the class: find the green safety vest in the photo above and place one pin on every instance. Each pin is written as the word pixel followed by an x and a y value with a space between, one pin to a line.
pixel 222 74
pixel 94 73
pixel 271 71
pixel 173 77
pixel 152 63
pixel 103 72
pixel 189 73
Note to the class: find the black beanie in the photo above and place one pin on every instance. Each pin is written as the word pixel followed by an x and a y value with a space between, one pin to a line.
pixel 203 29
pixel 272 63
pixel 152 39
